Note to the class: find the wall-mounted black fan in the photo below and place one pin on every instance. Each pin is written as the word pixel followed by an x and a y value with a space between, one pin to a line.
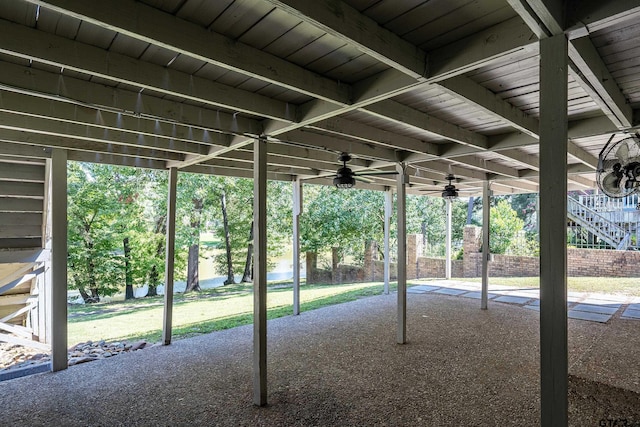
pixel 346 178
pixel 618 173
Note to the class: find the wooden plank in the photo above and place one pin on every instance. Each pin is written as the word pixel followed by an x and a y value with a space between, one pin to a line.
pixel 12 232
pixel 27 343
pixel 553 242
pixel 18 172
pixel 86 59
pixel 22 189
pixel 347 24
pixel 59 333
pixel 21 243
pixel 20 219
pixel 151 25
pixel 260 273
pixel 402 180
pixel 296 212
pixel 167 318
pixel 12 204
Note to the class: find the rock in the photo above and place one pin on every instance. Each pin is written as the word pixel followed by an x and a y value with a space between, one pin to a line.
pixel 139 345
pixel 78 360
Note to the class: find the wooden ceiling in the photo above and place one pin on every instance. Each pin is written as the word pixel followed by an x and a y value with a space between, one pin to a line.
pixel 447 86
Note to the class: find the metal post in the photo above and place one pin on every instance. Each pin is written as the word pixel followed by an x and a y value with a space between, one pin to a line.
pixel 553 231
pixel 297 210
pixel 388 208
pixel 169 257
pixel 401 181
pixel 260 272
pixel 58 260
pixel 486 253
pixel 447 263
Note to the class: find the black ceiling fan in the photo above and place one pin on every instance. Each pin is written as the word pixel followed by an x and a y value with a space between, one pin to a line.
pixel 346 178
pixel 450 192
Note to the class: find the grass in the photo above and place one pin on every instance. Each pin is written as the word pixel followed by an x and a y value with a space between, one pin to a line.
pixel 198 313
pixel 608 285
pixel 230 306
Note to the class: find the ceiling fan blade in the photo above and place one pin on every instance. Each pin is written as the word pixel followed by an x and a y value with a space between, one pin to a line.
pixel 611 184
pixel 359 178
pixel 371 173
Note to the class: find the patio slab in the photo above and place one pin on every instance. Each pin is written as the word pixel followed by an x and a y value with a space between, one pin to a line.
pixel 513 299
pixel 421 289
pixel 450 291
pixel 630 314
pixel 585 315
pixel 602 309
pixel 478 295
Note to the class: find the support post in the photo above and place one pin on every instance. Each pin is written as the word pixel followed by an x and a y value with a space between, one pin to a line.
pixel 388 208
pixel 486 252
pixel 297 211
pixel 401 182
pixel 553 231
pixel 447 262
pixel 169 256
pixel 58 260
pixel 260 272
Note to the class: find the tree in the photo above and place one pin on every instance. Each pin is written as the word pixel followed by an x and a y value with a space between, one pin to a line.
pixel 92 226
pixel 504 226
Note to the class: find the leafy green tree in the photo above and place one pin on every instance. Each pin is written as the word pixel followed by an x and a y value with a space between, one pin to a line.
pixel 93 214
pixel 504 227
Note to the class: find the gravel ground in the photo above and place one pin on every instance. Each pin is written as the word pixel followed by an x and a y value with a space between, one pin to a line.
pixel 340 366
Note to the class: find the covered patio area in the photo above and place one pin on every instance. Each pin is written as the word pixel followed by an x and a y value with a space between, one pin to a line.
pixel 340 366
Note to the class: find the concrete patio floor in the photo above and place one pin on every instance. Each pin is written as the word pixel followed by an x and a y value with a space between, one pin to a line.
pixel 340 366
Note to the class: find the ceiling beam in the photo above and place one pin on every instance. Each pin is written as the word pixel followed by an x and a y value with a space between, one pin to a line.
pixel 19 122
pixel 127 106
pixel 546 18
pixel 145 23
pixel 66 112
pixel 588 64
pixel 352 27
pixel 57 51
pixel 588 16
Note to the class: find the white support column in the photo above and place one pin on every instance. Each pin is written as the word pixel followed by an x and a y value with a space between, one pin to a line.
pixel 401 182
pixel 447 262
pixel 553 232
pixel 169 256
pixel 58 260
pixel 297 211
pixel 486 253
pixel 388 209
pixel 260 272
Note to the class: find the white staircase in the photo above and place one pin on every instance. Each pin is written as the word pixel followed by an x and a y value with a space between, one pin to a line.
pixel 614 221
pixel 23 258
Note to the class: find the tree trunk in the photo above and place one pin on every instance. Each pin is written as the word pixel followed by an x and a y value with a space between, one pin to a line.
pixel 248 276
pixel 193 280
pixel 128 274
pixel 153 281
pixel 154 275
pixel 227 240
pixel 93 285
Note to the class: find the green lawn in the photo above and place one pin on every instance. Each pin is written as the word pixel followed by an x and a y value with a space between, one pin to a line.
pixel 605 285
pixel 230 306
pixel 201 312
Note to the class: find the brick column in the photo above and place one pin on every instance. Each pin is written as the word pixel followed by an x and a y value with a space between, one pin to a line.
pixel 471 245
pixel 414 252
pixel 370 255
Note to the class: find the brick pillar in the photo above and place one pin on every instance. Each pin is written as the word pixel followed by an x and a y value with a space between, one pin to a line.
pixel 414 251
pixel 335 260
pixel 370 255
pixel 471 245
pixel 312 266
